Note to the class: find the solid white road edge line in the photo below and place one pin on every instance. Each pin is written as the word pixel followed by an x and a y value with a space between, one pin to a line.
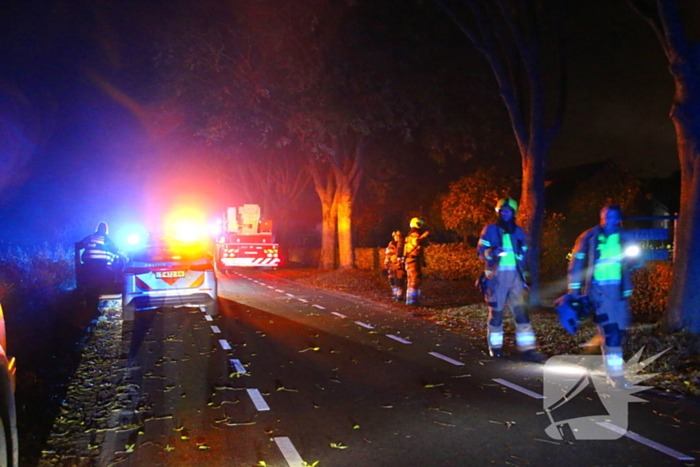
pixel 340 315
pixel 641 439
pixel 237 365
pixel 397 338
pixel 224 344
pixel 447 359
pixel 258 400
pixel 216 329
pixel 289 452
pixel 527 392
pixel 364 325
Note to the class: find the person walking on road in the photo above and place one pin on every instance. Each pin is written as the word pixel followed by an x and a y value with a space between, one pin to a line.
pixel 414 257
pixel 503 248
pixel 600 269
pixel 394 264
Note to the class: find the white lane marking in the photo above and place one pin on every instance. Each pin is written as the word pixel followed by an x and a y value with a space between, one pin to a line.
pixel 216 329
pixel 397 338
pixel 289 452
pixel 447 359
pixel 648 442
pixel 302 300
pixel 364 325
pixel 203 309
pixel 527 392
pixel 319 307
pixel 278 290
pixel 289 295
pixel 224 344
pixel 258 400
pixel 270 287
pixel 208 318
pixel 340 315
pixel 237 365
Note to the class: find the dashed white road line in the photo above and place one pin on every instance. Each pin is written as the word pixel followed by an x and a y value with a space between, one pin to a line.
pixel 521 389
pixel 208 318
pixel 289 295
pixel 289 452
pixel 319 307
pixel 397 338
pixel 447 359
pixel 278 290
pixel 340 315
pixel 224 344
pixel 641 439
pixel 364 325
pixel 216 329
pixel 302 300
pixel 238 366
pixel 257 399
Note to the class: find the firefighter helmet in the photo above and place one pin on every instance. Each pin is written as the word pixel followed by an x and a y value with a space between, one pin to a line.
pixel 508 203
pixel 417 223
pixel 395 233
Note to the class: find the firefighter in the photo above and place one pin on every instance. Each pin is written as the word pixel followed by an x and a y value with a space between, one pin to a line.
pixel 600 269
pixel 414 257
pixel 394 264
pixel 503 248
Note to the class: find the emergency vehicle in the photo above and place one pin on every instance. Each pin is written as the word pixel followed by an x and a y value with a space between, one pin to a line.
pixel 246 240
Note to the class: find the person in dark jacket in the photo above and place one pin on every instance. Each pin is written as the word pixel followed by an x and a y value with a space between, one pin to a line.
pixel 503 249
pixel 394 264
pixel 600 269
pixel 414 257
pixel 99 249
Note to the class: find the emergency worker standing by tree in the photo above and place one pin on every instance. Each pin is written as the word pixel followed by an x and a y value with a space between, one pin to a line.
pixel 394 264
pixel 600 269
pixel 414 257
pixel 503 248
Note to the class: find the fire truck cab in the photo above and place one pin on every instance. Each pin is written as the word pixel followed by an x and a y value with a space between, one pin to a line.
pixel 246 240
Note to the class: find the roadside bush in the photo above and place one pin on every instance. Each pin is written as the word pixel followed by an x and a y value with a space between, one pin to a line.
pixel 651 287
pixel 451 261
pixel 42 273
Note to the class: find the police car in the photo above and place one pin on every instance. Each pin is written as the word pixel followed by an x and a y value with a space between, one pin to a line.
pixel 166 272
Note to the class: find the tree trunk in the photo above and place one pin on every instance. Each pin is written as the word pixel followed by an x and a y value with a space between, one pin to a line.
pixel 683 310
pixel 329 226
pixel 531 214
pixel 345 242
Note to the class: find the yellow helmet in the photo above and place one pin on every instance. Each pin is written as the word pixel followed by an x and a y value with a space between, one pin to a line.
pixel 417 223
pixel 507 203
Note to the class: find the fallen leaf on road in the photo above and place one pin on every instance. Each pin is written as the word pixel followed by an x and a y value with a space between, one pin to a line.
pixel 338 446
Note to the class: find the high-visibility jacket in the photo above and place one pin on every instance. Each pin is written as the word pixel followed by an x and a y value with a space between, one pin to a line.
pixel 98 248
pixel 598 258
pixel 514 246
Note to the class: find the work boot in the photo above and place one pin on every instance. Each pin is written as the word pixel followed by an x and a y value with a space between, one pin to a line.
pixel 532 355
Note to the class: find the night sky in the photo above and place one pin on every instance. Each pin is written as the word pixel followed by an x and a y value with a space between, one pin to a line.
pixel 72 153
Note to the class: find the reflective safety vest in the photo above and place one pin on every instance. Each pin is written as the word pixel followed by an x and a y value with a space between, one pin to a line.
pixel 97 249
pixel 608 264
pixel 507 262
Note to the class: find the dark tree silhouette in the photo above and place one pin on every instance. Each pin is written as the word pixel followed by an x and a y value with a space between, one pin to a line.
pixel 522 42
pixel 677 26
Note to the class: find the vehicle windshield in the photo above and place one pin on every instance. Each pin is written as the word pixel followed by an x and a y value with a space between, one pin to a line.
pixel 161 252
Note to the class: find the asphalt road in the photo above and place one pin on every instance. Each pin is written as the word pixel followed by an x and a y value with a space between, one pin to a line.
pixel 288 375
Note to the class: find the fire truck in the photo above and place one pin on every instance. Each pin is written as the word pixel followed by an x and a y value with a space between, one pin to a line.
pixel 246 240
